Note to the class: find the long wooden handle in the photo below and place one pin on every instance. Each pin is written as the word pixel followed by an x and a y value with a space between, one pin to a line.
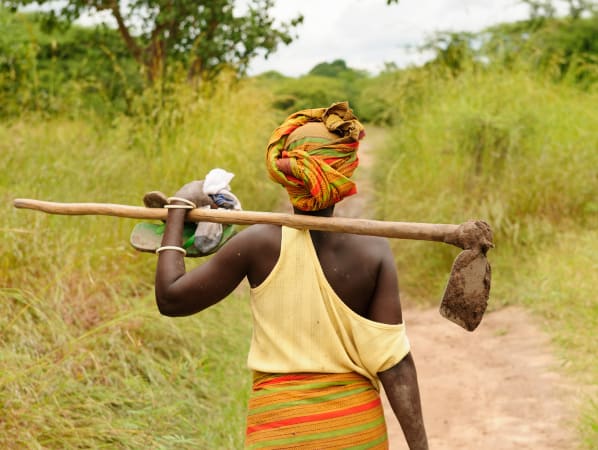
pixel 400 230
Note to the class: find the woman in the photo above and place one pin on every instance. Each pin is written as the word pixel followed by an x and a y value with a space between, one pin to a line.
pixel 327 317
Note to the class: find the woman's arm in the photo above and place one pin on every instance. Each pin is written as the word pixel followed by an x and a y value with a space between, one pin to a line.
pixel 400 385
pixel 181 293
pixel 400 381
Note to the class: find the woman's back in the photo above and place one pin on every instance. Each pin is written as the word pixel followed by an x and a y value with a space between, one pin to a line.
pixel 360 269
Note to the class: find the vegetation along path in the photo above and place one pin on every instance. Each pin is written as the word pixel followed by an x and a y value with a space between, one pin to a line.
pixel 497 388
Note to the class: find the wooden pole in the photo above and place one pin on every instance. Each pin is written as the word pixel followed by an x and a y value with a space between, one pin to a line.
pixel 399 230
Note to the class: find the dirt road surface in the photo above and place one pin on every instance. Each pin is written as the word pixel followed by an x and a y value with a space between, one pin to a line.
pixel 497 388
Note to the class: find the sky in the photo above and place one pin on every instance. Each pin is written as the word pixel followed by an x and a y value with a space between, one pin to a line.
pixel 368 33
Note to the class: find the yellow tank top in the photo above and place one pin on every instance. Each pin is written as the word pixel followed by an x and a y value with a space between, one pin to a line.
pixel 301 325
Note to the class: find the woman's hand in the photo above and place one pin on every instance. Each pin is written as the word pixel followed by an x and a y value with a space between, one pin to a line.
pixel 193 191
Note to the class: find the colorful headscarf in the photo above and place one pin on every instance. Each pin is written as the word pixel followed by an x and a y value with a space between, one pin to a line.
pixel 316 171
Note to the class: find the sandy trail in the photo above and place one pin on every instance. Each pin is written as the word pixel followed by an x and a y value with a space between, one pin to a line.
pixel 498 388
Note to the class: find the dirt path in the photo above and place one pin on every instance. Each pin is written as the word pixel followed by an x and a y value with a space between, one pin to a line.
pixel 498 388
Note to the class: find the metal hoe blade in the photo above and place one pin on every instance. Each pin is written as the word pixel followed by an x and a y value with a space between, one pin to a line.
pixel 468 288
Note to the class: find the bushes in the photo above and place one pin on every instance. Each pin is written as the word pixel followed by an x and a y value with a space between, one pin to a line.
pixel 63 71
pixel 504 146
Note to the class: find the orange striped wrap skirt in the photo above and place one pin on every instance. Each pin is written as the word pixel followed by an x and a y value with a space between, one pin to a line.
pixel 314 411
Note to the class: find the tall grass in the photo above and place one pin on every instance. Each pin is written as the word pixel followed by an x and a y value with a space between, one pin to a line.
pixel 520 152
pixel 559 284
pixel 87 362
pixel 506 147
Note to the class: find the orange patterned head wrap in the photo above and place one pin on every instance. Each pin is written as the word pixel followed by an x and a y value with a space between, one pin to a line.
pixel 313 154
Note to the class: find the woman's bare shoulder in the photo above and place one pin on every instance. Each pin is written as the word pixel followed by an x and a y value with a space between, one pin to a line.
pixel 257 241
pixel 374 246
pixel 260 246
pixel 260 234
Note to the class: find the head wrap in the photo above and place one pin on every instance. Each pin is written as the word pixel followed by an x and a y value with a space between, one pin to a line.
pixel 315 165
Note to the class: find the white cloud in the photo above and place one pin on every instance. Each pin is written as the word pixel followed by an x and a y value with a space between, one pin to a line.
pixel 366 34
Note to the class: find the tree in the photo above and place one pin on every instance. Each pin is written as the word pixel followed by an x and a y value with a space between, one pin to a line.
pixel 204 35
pixel 331 69
pixel 337 69
pixel 454 50
pixel 540 9
pixel 565 48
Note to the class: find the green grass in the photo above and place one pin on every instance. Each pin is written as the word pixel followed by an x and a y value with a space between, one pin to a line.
pixel 509 148
pixel 87 361
pixel 136 380
pixel 559 284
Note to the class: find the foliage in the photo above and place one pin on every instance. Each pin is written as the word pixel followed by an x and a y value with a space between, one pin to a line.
pixel 466 146
pixel 387 98
pixel 540 9
pixel 564 48
pixel 293 94
pixel 325 83
pixel 455 51
pixel 87 362
pixel 62 70
pixel 337 69
pixel 204 36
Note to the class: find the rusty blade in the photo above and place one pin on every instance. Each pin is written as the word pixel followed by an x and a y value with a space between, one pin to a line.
pixel 467 290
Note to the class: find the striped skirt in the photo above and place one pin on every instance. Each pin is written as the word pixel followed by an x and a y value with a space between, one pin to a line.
pixel 314 411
